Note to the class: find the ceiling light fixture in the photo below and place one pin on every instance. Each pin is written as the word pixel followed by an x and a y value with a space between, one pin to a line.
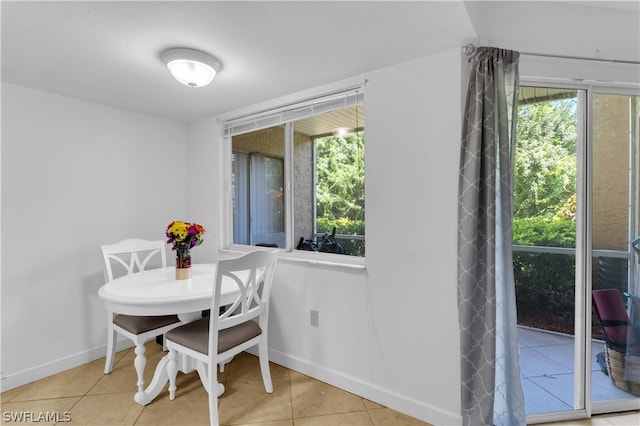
pixel 191 67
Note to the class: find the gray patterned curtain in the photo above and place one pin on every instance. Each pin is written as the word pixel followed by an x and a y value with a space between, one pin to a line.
pixel 490 371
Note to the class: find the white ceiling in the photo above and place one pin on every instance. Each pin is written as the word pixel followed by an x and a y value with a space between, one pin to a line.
pixel 592 29
pixel 108 52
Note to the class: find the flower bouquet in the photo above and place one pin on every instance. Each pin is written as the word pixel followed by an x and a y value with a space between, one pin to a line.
pixel 184 236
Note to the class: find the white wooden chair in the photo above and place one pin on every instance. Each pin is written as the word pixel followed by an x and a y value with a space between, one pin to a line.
pixel 244 323
pixel 124 258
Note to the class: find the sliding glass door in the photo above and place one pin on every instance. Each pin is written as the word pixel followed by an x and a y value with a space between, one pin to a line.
pixel 575 209
pixel 546 218
pixel 614 225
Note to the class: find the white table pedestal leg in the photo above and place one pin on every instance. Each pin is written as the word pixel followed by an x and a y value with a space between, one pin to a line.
pixel 140 362
pixel 189 317
pixel 161 377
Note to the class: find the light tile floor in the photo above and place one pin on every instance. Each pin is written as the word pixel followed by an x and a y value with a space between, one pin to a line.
pixel 92 398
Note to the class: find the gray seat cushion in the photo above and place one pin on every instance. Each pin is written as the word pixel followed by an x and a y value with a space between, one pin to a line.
pixel 195 335
pixel 138 325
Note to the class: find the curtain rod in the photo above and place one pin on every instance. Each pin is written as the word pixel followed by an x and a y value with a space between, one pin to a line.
pixel 470 50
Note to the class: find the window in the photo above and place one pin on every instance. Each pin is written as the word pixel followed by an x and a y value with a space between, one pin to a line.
pixel 258 193
pixel 297 176
pixel 339 191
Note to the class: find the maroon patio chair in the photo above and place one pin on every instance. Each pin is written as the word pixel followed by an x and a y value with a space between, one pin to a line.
pixel 622 347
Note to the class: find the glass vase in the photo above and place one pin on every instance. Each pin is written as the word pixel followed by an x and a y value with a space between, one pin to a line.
pixel 183 266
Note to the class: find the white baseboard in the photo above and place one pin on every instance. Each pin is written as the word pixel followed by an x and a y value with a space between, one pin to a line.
pixel 53 367
pixel 372 392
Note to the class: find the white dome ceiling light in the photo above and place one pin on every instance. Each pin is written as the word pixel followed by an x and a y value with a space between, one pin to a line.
pixel 191 67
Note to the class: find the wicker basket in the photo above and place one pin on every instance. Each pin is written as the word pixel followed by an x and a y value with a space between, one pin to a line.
pixel 624 370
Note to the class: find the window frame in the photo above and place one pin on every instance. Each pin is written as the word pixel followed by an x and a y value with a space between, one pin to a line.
pixel 286 115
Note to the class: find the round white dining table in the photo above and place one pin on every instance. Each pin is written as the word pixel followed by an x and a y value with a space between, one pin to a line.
pixel 158 292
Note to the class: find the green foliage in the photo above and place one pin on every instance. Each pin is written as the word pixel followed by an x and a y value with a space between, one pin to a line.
pixel 544 213
pixel 340 188
pixel 568 211
pixel 545 287
pixel 342 225
pixel 542 231
pixel 340 176
pixel 545 282
pixel 545 165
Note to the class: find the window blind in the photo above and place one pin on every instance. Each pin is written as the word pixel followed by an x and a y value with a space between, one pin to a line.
pixel 295 111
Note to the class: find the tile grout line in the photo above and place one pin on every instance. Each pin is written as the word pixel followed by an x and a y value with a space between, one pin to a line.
pixel 86 392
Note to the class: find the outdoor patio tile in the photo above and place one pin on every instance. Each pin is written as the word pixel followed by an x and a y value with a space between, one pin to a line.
pixel 560 386
pixel 537 400
pixel 603 389
pixel 534 364
pixel 530 337
pixel 598 378
pixel 546 365
pixel 562 354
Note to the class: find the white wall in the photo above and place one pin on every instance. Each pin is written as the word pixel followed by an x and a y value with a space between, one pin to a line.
pixel 204 158
pixel 74 175
pixel 390 332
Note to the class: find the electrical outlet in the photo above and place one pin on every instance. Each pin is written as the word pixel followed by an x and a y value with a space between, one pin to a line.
pixel 314 318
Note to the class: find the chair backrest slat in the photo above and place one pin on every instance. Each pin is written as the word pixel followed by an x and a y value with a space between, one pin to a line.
pixel 133 255
pixel 252 274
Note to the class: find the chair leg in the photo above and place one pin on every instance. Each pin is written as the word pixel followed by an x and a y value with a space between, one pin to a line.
pixel 111 347
pixel 172 372
pixel 263 352
pixel 213 409
pixel 140 362
pixel 209 378
pixel 222 364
